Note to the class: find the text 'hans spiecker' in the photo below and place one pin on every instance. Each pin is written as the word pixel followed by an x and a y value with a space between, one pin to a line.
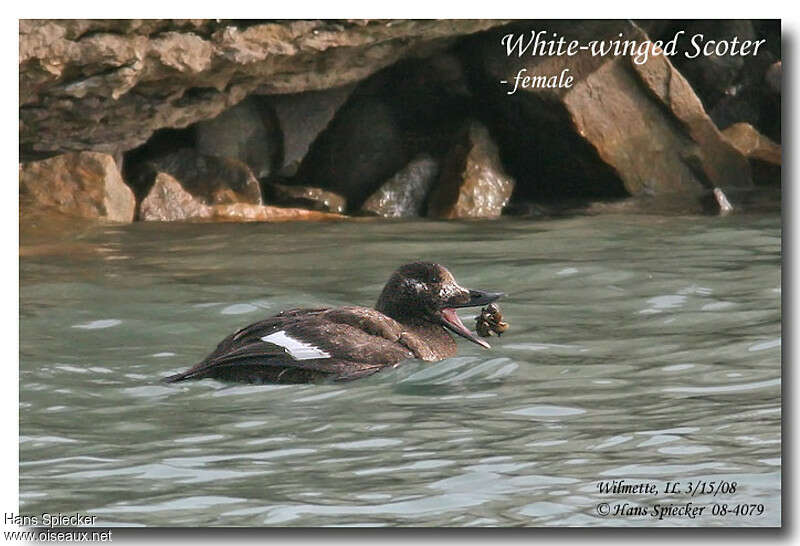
pixel 46 519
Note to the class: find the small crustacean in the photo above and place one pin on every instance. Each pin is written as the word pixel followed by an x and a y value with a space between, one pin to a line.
pixel 490 321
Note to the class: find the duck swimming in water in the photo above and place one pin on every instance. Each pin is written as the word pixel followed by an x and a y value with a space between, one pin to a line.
pixel 411 319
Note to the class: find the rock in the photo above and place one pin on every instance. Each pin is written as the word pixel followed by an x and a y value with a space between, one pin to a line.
pixel 713 158
pixel 211 180
pixel 712 76
pixel 169 201
pixel 85 184
pixel 303 116
pixel 725 206
pixel 752 144
pixel 774 77
pixel 136 170
pixel 305 197
pixel 362 147
pixel 107 85
pixel 763 153
pixel 404 194
pixel 243 212
pixel 750 97
pixel 714 201
pixel 530 209
pixel 733 87
pixel 472 183
pixel 389 118
pixel 706 202
pixel 620 129
pixel 248 132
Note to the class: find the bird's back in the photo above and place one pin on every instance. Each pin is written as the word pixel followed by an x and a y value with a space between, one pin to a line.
pixel 303 345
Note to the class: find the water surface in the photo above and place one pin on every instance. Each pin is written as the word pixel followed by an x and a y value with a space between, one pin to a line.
pixel 640 348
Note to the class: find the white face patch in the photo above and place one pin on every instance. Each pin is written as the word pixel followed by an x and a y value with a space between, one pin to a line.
pixel 297 349
pixel 415 285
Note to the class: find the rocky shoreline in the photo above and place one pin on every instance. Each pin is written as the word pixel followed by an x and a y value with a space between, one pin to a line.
pixel 192 120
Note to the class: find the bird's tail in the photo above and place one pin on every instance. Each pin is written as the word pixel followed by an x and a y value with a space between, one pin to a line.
pixel 183 376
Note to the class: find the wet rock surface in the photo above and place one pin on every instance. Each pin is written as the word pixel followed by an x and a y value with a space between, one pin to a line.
pixel 404 194
pixel 304 197
pixel 472 183
pixel 243 212
pixel 86 184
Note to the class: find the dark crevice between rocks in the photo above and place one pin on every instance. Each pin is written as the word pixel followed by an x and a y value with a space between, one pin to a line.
pixel 27 153
pixel 196 95
pixel 162 143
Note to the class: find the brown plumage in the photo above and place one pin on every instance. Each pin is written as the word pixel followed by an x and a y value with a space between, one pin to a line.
pixel 410 320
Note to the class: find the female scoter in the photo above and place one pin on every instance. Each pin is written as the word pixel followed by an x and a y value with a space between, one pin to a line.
pixel 414 311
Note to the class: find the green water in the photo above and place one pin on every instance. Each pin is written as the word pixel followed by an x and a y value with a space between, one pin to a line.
pixel 641 348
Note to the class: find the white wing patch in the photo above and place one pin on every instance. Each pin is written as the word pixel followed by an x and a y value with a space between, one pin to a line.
pixel 296 348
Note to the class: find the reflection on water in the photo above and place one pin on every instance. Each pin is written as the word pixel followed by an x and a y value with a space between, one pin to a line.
pixel 640 348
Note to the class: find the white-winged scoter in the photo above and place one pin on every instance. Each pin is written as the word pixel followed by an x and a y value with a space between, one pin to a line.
pixel 410 320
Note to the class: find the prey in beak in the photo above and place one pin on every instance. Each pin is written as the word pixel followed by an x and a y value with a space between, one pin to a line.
pixel 474 298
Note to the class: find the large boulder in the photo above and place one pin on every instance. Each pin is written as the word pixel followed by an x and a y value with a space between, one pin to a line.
pixel 168 201
pixel 621 128
pixel 362 147
pixel 405 193
pixel 303 116
pixel 212 180
pixel 473 183
pixel 710 156
pixel 107 85
pixel 85 184
pixel 248 132
pixel 733 88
